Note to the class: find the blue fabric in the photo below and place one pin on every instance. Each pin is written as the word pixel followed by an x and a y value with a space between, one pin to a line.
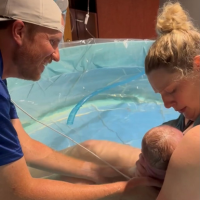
pixel 180 123
pixel 10 148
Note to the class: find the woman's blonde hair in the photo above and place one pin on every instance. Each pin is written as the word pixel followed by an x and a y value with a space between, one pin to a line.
pixel 178 41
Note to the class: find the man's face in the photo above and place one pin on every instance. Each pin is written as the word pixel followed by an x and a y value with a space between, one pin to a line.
pixel 36 52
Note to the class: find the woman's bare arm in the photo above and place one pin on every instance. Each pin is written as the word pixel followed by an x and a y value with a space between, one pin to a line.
pixel 182 179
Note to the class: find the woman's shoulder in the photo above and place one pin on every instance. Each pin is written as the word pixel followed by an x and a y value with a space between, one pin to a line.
pixel 193 132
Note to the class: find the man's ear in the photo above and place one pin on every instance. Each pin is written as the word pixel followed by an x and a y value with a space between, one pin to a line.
pixel 18 31
pixel 196 63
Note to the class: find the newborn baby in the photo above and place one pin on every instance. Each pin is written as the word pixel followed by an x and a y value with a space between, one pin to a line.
pixel 158 145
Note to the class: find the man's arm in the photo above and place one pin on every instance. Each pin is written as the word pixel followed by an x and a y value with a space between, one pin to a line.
pixel 42 157
pixel 17 184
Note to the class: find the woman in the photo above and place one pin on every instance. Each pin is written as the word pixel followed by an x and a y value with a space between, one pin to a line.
pixel 173 69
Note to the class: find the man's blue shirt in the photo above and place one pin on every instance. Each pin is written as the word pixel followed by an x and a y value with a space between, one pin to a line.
pixel 10 148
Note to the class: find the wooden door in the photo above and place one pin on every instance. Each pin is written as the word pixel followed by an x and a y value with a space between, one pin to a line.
pixel 127 18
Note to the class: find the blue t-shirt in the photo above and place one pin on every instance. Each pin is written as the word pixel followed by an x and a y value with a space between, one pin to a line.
pixel 10 148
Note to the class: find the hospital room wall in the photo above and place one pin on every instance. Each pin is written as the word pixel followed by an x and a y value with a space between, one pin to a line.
pixel 192 6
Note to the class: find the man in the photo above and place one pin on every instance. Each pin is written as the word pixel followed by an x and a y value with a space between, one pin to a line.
pixel 30 31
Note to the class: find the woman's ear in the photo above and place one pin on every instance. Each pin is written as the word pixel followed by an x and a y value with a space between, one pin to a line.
pixel 196 63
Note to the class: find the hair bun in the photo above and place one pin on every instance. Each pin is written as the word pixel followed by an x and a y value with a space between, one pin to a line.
pixel 173 17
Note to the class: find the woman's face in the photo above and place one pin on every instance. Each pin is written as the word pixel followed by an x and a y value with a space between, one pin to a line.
pixel 183 94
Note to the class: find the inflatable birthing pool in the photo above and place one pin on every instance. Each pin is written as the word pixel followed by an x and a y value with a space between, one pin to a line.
pixel 98 91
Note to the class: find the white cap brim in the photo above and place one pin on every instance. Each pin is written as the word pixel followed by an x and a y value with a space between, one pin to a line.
pixel 44 13
pixel 5 19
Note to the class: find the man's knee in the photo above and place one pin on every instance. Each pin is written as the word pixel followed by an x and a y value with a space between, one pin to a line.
pixel 90 144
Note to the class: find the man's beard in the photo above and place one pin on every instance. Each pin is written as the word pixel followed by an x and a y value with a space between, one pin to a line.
pixel 26 59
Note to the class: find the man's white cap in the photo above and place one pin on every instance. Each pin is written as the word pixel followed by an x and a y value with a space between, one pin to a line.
pixel 44 13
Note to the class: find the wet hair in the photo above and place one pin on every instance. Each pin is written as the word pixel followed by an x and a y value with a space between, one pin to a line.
pixel 178 41
pixel 159 143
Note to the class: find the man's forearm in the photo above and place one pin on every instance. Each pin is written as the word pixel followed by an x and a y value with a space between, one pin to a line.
pixel 40 189
pixel 16 183
pixel 62 191
pixel 42 157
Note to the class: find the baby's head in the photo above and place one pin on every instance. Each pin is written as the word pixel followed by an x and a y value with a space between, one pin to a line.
pixel 158 145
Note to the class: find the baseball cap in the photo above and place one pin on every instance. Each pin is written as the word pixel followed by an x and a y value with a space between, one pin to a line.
pixel 44 13
pixel 62 4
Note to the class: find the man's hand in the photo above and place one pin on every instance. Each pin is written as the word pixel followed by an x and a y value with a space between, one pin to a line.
pixel 145 181
pixel 105 174
pixel 139 189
